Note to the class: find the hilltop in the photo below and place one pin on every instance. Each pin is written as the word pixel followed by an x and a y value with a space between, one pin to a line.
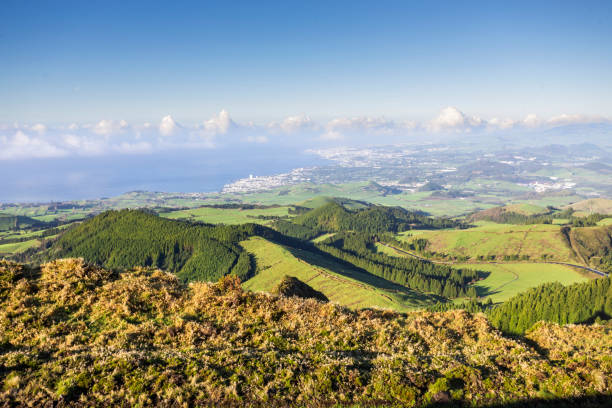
pixel 592 206
pixel 76 334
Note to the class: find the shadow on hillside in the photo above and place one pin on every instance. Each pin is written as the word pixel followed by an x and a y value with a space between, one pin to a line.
pixel 599 400
pixel 484 291
pixel 322 260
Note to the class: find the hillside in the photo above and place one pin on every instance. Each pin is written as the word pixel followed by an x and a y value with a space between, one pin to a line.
pixel 16 222
pixel 343 284
pixel 512 214
pixel 594 245
pixel 74 334
pixel 121 239
pixel 333 217
pixel 592 206
pixel 577 303
pixel 497 240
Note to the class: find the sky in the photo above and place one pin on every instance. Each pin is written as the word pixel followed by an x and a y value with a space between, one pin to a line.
pixel 108 78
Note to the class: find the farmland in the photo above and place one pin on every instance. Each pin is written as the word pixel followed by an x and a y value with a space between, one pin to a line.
pixel 347 286
pixel 508 279
pixel 489 239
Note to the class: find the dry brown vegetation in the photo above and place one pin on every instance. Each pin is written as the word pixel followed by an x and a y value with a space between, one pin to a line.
pixel 75 334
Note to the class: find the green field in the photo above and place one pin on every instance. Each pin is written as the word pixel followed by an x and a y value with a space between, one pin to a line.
pixel 509 279
pixel 497 239
pixel 18 247
pixel 228 215
pixel 605 222
pixel 346 286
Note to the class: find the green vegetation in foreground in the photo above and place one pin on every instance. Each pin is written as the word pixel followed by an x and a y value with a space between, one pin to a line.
pixel 339 282
pixel 508 279
pixel 74 334
pixel 498 240
pixel 213 215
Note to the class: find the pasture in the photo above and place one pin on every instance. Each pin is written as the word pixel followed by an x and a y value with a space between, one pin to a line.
pixel 508 279
pixel 490 239
pixel 214 215
pixel 341 284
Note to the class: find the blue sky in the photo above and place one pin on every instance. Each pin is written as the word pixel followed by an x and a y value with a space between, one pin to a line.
pixel 102 97
pixel 85 61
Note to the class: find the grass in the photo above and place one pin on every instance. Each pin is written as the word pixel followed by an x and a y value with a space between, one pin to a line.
pixel 75 335
pixel 18 247
pixel 605 222
pixel 346 286
pixel 593 205
pixel 508 279
pixel 227 215
pixel 323 237
pixel 526 209
pixel 498 239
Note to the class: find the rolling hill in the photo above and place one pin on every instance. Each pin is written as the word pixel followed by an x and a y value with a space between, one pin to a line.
pixel 592 206
pixel 73 334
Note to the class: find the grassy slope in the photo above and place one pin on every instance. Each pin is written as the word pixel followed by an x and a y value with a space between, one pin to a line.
pixel 346 286
pixel 226 215
pixel 508 279
pixel 140 338
pixel 18 247
pixel 526 209
pixel 499 239
pixel 593 205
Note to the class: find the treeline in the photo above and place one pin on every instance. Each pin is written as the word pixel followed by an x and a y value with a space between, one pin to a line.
pixel 126 238
pixel 9 222
pixel 553 302
pixel 472 306
pixel 359 250
pixel 46 233
pixel 595 245
pixel 193 251
pixel 295 230
pixel 500 216
pixel 510 217
pixel 333 217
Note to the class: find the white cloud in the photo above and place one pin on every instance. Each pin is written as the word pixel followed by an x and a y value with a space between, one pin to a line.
pixel 378 125
pixel 83 145
pixel 566 119
pixel 292 124
pixel 452 119
pixel 331 135
pixel 39 128
pixel 168 126
pixel 503 124
pixel 531 120
pixel 18 141
pixel 219 124
pixel 21 146
pixel 109 127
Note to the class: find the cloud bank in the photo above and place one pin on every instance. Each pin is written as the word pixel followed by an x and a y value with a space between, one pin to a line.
pixel 109 136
